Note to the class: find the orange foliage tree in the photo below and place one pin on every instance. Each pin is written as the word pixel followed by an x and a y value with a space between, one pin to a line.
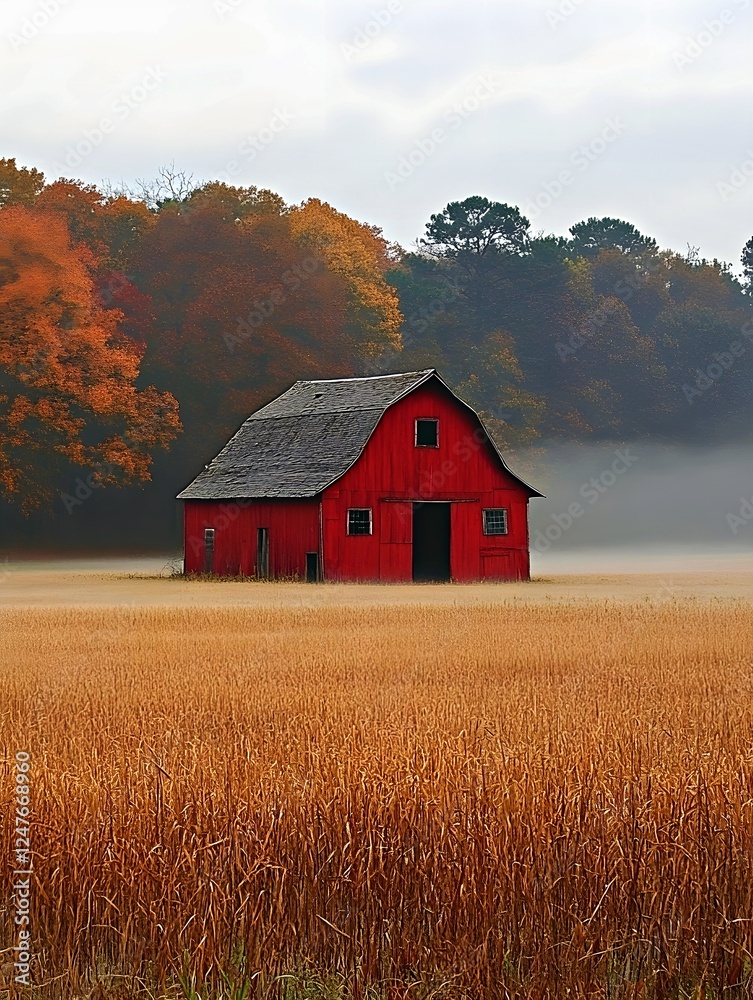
pixel 110 227
pixel 240 311
pixel 361 255
pixel 68 374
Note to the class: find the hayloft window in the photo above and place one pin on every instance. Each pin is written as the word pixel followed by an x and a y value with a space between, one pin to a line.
pixel 427 433
pixel 495 521
pixel 360 521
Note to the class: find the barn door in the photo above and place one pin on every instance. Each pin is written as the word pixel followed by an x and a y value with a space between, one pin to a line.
pixel 497 566
pixel 395 533
pixel 431 542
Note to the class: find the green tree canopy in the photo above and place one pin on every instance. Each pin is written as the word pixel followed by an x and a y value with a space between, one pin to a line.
pixel 476 227
pixel 593 235
pixel 747 260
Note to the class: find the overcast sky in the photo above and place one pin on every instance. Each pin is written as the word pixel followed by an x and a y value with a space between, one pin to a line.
pixel 389 109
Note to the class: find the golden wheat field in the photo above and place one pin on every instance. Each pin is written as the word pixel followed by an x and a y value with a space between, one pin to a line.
pixel 469 796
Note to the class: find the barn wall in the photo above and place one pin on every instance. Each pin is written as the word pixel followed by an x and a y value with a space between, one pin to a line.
pixel 293 526
pixel 391 470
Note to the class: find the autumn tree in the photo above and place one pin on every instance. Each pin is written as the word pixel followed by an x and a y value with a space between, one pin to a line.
pixel 611 379
pixel 68 374
pixel 235 203
pixel 360 255
pixel 495 385
pixel 19 185
pixel 241 310
pixel 703 336
pixel 111 227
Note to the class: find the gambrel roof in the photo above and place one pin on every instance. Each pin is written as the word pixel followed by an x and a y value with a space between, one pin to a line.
pixel 306 439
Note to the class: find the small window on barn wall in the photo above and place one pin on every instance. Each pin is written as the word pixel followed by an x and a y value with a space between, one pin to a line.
pixel 208 550
pixel 495 521
pixel 427 432
pixel 360 521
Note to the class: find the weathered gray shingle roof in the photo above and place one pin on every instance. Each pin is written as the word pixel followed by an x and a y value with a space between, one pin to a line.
pixel 343 395
pixel 303 441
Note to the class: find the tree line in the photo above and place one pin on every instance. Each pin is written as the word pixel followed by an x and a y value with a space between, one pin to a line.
pixel 138 329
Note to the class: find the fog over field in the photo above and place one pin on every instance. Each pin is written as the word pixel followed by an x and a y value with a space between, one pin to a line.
pixel 608 509
pixel 641 496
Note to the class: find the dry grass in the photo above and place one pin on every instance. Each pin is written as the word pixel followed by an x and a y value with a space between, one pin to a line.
pixel 526 801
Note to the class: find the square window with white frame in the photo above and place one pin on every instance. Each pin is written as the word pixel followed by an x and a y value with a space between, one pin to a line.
pixel 360 521
pixel 495 521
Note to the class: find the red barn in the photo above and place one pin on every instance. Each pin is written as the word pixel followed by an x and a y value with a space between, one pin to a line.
pixel 392 478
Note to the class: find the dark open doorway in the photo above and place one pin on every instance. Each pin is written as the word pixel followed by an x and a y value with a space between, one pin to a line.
pixel 312 567
pixel 431 542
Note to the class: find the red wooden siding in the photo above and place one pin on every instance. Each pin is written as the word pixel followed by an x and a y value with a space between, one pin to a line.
pixel 293 531
pixel 392 473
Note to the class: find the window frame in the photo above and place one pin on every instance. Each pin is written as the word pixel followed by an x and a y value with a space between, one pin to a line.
pixel 359 534
pixel 433 420
pixel 495 510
